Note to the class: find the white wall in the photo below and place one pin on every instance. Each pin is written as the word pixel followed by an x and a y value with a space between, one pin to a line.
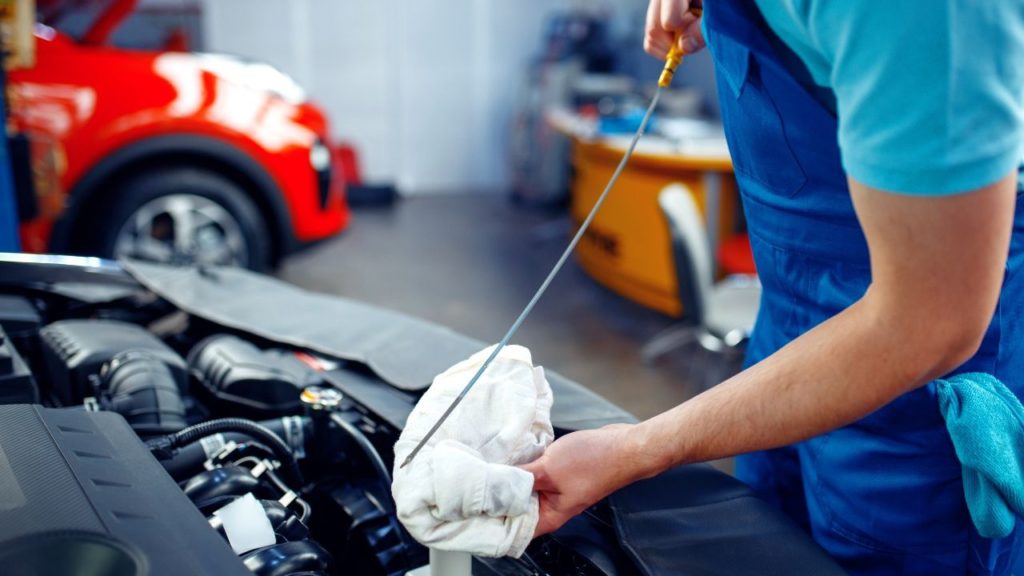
pixel 426 90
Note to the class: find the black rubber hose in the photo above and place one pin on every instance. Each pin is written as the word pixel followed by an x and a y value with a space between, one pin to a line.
pixel 188 460
pixel 287 525
pixel 142 388
pixel 225 481
pixel 288 558
pixel 169 444
pixel 306 510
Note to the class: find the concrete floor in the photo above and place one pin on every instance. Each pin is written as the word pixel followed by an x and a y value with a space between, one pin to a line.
pixel 472 262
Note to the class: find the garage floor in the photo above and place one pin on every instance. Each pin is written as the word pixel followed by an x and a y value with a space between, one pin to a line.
pixel 472 262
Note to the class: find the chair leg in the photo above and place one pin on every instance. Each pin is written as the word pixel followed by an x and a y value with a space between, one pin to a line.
pixel 668 340
pixel 733 344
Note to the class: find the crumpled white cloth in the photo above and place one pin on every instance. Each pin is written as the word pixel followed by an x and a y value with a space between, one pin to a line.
pixel 463 491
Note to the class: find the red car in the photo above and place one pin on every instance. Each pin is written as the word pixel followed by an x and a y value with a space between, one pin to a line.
pixel 171 156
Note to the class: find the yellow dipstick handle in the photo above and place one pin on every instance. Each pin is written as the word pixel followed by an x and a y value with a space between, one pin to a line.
pixel 675 55
pixel 672 61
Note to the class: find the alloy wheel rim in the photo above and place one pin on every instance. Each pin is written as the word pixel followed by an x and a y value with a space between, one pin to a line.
pixel 182 229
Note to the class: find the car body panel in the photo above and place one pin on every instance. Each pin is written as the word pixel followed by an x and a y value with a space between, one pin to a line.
pixel 82 104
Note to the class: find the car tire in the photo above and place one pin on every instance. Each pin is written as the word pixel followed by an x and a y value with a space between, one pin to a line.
pixel 182 216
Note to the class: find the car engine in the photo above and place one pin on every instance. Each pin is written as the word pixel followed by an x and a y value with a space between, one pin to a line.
pixel 180 421
pixel 192 450
pixel 204 424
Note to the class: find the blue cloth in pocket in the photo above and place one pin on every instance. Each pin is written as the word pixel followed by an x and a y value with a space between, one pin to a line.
pixel 986 422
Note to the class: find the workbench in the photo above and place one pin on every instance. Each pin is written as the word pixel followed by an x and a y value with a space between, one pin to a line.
pixel 627 248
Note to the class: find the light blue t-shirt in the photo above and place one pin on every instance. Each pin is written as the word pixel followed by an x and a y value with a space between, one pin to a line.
pixel 929 93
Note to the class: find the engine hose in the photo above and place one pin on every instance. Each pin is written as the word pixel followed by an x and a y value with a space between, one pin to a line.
pixel 287 525
pixel 188 460
pixel 225 481
pixel 288 558
pixel 307 511
pixel 168 444
pixel 142 388
pixel 302 504
pixel 365 445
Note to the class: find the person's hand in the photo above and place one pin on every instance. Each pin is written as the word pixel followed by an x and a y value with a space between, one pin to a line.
pixel 670 21
pixel 581 468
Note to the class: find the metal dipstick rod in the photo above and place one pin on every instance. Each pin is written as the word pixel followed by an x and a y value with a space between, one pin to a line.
pixel 672 61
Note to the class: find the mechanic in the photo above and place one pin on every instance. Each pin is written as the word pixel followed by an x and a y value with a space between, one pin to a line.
pixel 876 147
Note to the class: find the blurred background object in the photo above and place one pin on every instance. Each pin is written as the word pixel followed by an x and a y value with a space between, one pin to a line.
pixel 470 137
pixel 17 18
pixel 18 46
pixel 428 92
pixel 141 149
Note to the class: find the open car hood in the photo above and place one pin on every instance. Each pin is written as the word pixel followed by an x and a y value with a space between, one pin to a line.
pixel 403 351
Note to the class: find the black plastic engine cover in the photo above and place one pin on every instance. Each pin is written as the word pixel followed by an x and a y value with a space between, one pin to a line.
pixel 81 494
pixel 247 381
pixel 18 317
pixel 16 381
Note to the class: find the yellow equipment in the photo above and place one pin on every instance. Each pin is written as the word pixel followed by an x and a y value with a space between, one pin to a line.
pixel 627 248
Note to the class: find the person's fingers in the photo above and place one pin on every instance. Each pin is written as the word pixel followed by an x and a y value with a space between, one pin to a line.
pixel 672 15
pixel 534 468
pixel 657 47
pixel 656 40
pixel 653 14
pixel 693 37
pixel 545 526
pixel 668 24
pixel 541 479
pixel 549 519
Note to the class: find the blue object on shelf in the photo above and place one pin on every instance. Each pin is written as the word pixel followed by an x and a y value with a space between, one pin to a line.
pixel 624 124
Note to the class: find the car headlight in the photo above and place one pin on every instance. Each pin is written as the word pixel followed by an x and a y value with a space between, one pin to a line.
pixel 320 160
pixel 320 156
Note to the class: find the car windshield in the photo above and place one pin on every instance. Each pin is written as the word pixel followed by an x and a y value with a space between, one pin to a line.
pixel 140 25
pixel 72 17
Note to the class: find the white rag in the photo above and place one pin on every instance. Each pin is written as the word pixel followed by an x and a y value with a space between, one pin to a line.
pixel 463 491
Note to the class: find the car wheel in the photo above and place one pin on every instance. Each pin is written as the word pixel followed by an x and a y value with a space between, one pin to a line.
pixel 183 216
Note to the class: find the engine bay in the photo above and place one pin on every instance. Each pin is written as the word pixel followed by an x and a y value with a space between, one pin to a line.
pixel 232 420
pixel 141 433
pixel 227 419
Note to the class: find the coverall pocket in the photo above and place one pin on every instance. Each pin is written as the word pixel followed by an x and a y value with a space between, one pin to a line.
pixel 893 499
pixel 754 129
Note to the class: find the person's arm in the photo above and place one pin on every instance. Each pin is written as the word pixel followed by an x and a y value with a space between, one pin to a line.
pixel 937 266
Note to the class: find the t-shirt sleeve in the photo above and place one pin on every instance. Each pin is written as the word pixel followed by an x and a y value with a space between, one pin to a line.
pixel 930 94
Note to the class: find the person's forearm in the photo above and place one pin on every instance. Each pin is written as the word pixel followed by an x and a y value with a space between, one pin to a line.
pixel 834 374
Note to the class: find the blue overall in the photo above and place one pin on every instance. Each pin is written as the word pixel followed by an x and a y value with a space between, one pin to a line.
pixel 883 495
